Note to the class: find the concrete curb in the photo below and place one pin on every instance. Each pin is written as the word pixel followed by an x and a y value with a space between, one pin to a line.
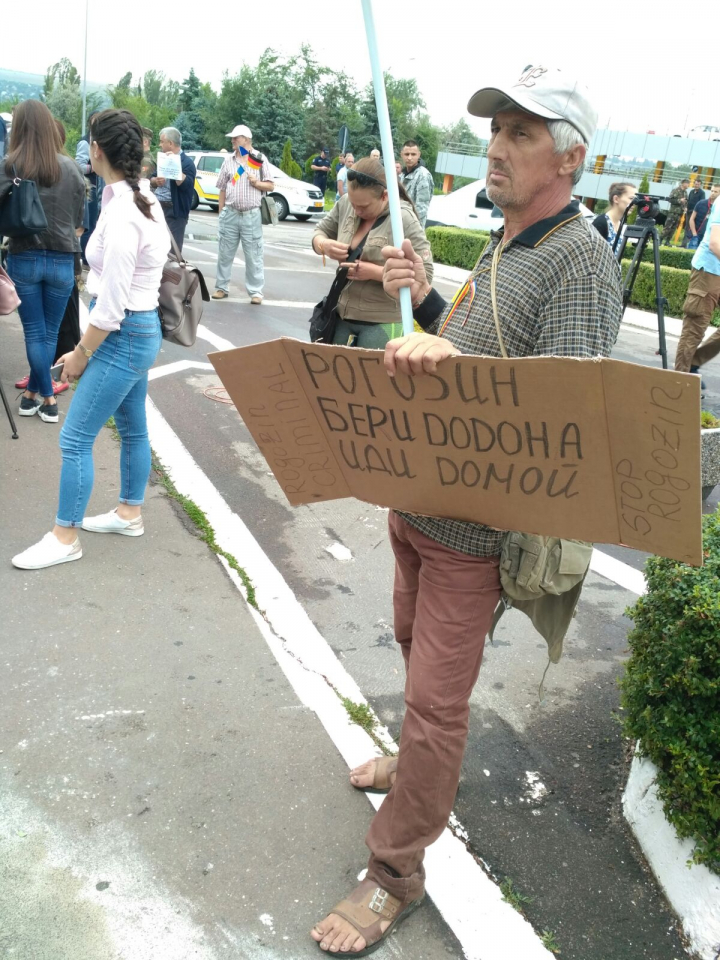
pixel 694 891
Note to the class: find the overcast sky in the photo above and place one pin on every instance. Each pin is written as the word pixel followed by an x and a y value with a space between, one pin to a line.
pixel 451 47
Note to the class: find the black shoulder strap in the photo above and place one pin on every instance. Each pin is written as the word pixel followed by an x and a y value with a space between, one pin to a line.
pixel 341 277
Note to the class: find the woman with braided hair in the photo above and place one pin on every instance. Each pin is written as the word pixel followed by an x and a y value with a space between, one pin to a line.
pixel 126 253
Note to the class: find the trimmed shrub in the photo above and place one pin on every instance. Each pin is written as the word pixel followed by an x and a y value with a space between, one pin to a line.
pixel 462 248
pixel 456 247
pixel 671 690
pixel 669 256
pixel 674 287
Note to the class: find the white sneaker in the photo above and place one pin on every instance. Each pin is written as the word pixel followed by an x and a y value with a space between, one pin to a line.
pixel 47 553
pixel 112 523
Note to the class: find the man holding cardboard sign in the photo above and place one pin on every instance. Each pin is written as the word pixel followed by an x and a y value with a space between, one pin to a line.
pixel 557 292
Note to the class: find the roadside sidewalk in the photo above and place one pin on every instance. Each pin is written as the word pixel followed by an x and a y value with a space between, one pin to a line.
pixel 164 793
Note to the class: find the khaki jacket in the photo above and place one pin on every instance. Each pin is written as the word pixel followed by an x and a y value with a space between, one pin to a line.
pixel 365 299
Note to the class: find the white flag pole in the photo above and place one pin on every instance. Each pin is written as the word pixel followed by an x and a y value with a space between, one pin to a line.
pixel 388 155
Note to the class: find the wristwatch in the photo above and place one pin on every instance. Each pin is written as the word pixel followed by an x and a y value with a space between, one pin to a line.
pixel 84 349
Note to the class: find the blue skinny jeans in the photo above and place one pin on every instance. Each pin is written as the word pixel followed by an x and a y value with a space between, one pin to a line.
pixel 44 280
pixel 114 385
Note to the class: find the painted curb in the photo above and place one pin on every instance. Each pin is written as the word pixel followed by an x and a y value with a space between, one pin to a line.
pixel 693 892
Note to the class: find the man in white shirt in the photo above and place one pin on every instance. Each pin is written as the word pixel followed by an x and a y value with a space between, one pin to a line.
pixel 342 176
pixel 242 180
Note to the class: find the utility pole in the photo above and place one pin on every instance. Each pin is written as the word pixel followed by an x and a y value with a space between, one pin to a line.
pixel 84 95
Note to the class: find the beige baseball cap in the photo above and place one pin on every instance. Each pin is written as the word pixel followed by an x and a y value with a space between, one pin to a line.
pixel 240 131
pixel 544 91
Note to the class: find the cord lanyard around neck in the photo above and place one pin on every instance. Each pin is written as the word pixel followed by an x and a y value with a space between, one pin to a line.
pixel 497 253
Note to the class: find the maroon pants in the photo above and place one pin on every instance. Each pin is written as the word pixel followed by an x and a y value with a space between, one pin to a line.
pixel 443 605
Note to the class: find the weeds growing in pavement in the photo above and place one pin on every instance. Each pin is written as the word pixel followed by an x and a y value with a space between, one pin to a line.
pixel 513 896
pixel 547 938
pixel 362 715
pixel 205 530
pixel 196 515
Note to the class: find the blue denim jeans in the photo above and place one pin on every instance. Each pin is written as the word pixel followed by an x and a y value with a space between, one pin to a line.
pixel 114 385
pixel 90 218
pixel 44 280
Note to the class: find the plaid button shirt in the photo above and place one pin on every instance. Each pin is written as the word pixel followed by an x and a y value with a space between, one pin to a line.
pixel 242 195
pixel 559 294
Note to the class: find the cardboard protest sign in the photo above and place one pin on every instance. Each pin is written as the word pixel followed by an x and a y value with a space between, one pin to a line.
pixel 597 450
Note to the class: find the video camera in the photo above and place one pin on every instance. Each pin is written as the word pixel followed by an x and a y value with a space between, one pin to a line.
pixel 648 205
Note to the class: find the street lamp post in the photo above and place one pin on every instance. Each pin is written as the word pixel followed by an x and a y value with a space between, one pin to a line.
pixel 84 98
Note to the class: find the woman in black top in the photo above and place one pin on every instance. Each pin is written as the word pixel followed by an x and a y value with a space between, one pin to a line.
pixel 42 265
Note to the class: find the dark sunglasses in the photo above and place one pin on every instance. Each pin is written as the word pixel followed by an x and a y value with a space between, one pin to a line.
pixel 364 179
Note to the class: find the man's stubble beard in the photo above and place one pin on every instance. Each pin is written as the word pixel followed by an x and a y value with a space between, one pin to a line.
pixel 503 198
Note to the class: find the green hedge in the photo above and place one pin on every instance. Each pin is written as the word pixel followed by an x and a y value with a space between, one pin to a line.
pixel 669 256
pixel 456 247
pixel 671 690
pixel 674 287
pixel 462 248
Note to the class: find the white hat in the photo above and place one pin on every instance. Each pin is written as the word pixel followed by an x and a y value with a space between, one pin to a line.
pixel 240 131
pixel 544 92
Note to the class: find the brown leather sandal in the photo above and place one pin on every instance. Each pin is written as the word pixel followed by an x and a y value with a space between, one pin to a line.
pixel 365 908
pixel 384 776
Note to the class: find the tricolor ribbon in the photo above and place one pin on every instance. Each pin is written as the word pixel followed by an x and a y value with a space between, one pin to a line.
pixel 469 287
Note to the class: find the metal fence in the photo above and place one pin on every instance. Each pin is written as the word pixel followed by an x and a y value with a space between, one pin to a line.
pixel 613 166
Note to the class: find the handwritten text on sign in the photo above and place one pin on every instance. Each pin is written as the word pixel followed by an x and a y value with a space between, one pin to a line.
pixel 564 447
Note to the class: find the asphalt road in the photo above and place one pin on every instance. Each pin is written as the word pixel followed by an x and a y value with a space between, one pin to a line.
pixel 541 785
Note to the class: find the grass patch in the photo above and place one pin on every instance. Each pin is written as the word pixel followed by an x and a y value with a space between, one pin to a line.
pixel 547 938
pixel 112 427
pixel 513 896
pixel 361 714
pixel 204 529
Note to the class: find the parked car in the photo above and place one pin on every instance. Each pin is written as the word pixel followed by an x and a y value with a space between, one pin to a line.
pixel 470 208
pixel 292 197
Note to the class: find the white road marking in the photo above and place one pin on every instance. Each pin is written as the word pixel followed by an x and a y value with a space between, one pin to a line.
pixel 305 304
pixel 220 343
pixel 617 571
pixel 472 905
pixel 177 367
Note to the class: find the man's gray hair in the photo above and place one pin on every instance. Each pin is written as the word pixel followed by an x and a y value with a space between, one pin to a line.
pixel 566 137
pixel 172 134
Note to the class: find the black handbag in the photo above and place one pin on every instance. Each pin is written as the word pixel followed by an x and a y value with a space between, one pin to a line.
pixel 21 212
pixel 324 317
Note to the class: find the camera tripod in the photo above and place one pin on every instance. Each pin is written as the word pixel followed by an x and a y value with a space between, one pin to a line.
pixel 642 231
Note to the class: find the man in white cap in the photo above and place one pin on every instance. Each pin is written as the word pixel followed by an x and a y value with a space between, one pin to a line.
pixel 558 293
pixel 243 178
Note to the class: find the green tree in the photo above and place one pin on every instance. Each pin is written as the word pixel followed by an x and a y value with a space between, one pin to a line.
pixel 275 119
pixel 190 91
pixel 289 166
pixel 65 73
pixel 234 105
pixel 286 157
